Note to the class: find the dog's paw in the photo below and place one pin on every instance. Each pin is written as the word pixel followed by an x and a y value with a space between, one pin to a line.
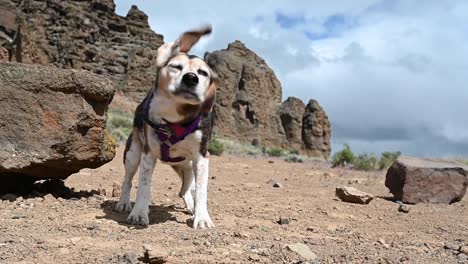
pixel 189 205
pixel 122 206
pixel 203 222
pixel 138 217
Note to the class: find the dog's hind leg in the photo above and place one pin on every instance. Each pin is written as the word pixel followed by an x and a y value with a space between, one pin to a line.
pixel 188 184
pixel 132 157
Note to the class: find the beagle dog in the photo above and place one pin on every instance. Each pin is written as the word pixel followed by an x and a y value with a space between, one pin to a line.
pixel 173 124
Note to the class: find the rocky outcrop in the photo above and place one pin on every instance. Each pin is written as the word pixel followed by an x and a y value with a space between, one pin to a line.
pixel 248 98
pixel 414 180
pixel 291 114
pixel 52 122
pixel 316 131
pixel 307 127
pixel 248 106
pixel 82 35
pixel 89 35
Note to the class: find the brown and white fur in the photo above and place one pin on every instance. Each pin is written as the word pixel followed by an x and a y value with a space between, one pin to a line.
pixel 175 102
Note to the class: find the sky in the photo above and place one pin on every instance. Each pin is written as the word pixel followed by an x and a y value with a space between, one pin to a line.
pixel 391 74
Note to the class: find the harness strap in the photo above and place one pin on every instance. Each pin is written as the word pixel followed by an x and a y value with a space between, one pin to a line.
pixel 169 134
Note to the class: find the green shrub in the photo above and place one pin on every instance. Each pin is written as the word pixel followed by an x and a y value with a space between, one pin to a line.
pixel 366 162
pixel 216 147
pixel 387 159
pixel 294 158
pixel 275 152
pixel 343 157
pixel 120 124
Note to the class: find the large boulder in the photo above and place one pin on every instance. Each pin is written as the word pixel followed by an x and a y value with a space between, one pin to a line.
pixel 316 131
pixel 414 180
pixel 249 97
pixel 52 121
pixel 84 35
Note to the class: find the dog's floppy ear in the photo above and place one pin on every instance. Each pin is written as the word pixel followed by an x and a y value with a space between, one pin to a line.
pixel 183 44
pixel 189 38
pixel 210 94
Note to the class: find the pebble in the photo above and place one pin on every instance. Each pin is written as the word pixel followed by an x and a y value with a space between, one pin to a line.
pixel 129 258
pixel 303 251
pixel 453 245
pixel 353 195
pixel 254 257
pixel 462 257
pixel 277 185
pixel 153 254
pixel 464 250
pixel 75 240
pixel 116 189
pixel 403 208
pixel 283 221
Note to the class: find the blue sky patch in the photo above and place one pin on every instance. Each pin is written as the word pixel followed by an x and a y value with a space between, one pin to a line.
pixel 289 21
pixel 333 25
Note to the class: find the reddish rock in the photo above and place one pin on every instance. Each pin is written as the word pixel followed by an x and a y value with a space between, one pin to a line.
pixel 291 114
pixel 249 97
pixel 414 180
pixel 52 121
pixel 84 35
pixel 316 130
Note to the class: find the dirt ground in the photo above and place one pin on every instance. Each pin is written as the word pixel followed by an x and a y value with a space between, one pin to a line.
pixel 245 208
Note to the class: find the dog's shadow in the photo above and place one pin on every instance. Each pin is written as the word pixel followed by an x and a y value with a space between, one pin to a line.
pixel 158 214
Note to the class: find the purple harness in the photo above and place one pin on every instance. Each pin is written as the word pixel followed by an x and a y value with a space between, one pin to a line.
pixel 169 134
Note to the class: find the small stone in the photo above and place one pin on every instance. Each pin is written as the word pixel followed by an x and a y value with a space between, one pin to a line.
pixel 75 240
pixel 154 254
pixel 207 243
pixel 283 221
pixel 462 257
pixel 303 251
pixel 353 195
pixel 464 250
pixel 254 257
pixel 312 229
pixel 129 258
pixel 2 245
pixel 116 189
pixel 403 208
pixel 453 245
pixel 49 197
pixel 277 185
pixel 10 197
pixel 271 162
pixel 382 241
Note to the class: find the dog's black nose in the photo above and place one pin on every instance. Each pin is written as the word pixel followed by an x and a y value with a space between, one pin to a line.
pixel 190 79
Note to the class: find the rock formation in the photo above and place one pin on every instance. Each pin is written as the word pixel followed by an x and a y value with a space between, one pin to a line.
pixel 248 106
pixel 53 121
pixel 415 180
pixel 82 35
pixel 291 114
pixel 307 127
pixel 249 96
pixel 316 131
pixel 89 35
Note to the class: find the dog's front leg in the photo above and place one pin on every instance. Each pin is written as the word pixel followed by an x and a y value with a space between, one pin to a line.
pixel 201 217
pixel 139 214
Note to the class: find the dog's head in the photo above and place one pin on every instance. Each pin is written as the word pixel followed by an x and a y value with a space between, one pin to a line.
pixel 186 78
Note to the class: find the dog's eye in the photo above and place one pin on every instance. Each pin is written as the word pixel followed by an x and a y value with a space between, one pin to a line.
pixel 203 73
pixel 176 66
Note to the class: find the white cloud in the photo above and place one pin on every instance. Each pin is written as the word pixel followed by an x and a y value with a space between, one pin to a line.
pixel 394 79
